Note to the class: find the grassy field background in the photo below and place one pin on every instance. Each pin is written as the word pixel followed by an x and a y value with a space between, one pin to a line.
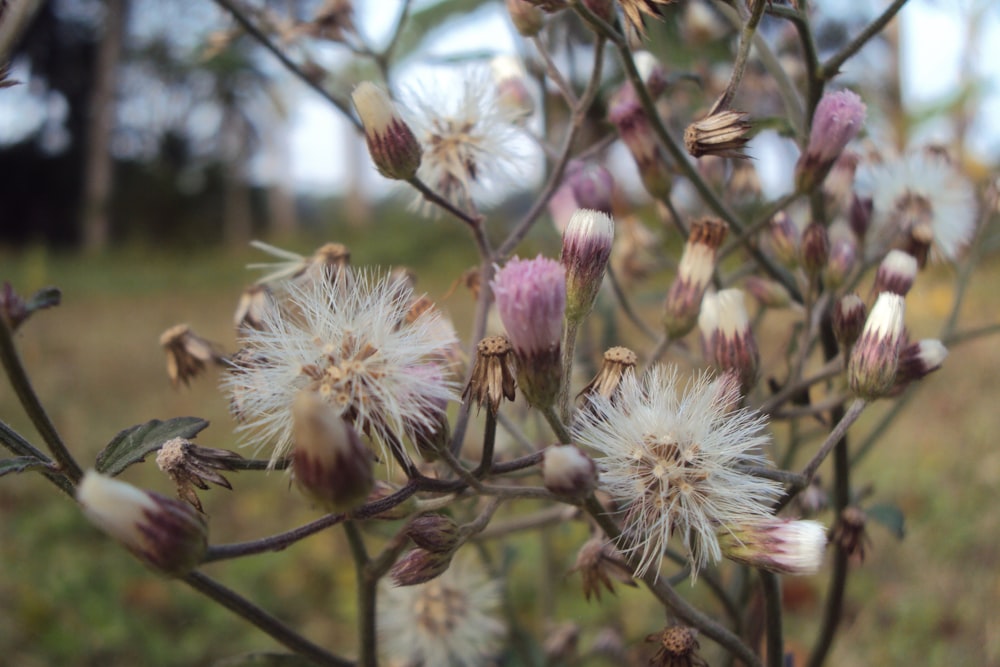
pixel 72 597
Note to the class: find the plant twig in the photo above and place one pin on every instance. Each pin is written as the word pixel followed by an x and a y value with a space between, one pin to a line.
pixel 772 599
pixel 272 626
pixel 366 597
pixel 831 67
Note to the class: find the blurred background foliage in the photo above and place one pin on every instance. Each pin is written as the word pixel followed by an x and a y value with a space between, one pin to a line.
pixel 165 237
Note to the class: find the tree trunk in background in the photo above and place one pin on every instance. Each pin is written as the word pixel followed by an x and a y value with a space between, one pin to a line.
pixel 98 163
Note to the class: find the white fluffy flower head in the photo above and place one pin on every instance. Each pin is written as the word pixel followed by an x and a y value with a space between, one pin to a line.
pixel 354 341
pixel 470 141
pixel 451 621
pixel 924 197
pixel 673 461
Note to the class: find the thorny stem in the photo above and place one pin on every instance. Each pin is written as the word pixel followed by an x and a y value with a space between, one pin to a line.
pixel 772 599
pixel 742 55
pixel 671 599
pixel 264 621
pixel 33 407
pixel 831 67
pixel 239 13
pixel 366 597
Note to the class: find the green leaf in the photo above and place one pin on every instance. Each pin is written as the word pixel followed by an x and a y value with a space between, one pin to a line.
pixel 265 660
pixel 133 444
pixel 20 464
pixel 47 297
pixel 889 516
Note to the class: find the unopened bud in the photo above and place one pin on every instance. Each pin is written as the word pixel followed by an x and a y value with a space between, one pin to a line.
pixel 166 534
pixel 777 545
pixel 860 215
pixel 919 359
pixel 784 238
pixel 769 293
pixel 330 464
pixel 568 471
pixel 843 258
pixel 872 366
pixel 694 273
pixel 815 248
pixel 527 18
pixel 896 273
pixel 626 113
pixel 393 147
pixel 729 341
pixel 585 252
pixel 837 120
pixel 419 566
pixel 592 185
pixel 434 532
pixel 849 319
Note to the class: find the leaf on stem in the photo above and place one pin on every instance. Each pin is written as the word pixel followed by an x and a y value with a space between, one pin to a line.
pixel 134 443
pixel 890 516
pixel 18 464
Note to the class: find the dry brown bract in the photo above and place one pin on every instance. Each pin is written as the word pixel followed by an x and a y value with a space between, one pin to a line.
pixel 191 466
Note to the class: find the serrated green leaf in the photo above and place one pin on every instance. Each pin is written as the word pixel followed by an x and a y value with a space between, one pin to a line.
pixel 265 660
pixel 133 444
pixel 20 464
pixel 889 516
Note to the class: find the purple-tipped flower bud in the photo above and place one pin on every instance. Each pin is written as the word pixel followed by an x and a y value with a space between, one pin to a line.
pixel 896 273
pixel 860 215
pixel 843 257
pixel 585 252
pixel 627 114
pixel 693 276
pixel 838 119
pixel 849 319
pixel 391 143
pixel 531 300
pixel 777 545
pixel 593 186
pixel 434 532
pixel 568 471
pixel 419 566
pixel 769 293
pixel 784 238
pixel 729 341
pixel 871 370
pixel 527 18
pixel 166 534
pixel 815 248
pixel 917 360
pixel 330 464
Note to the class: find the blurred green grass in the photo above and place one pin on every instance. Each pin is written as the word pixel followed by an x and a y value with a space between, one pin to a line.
pixel 70 596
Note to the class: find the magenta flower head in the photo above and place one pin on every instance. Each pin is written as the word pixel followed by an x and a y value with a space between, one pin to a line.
pixel 838 119
pixel 626 113
pixel 531 300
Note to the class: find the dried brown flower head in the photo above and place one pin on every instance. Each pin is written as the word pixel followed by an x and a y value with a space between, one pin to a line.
pixel 191 466
pixel 723 133
pixel 188 353
pixel 677 647
pixel 334 20
pixel 618 361
pixel 493 373
pixel 599 563
pixel 849 532
pixel 634 10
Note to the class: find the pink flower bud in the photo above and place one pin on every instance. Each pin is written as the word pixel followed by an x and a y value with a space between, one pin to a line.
pixel 777 545
pixel 896 273
pixel 729 341
pixel 393 147
pixel 586 249
pixel 838 119
pixel 871 370
pixel 568 471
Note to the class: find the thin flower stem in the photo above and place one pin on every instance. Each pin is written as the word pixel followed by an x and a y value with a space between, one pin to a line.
pixel 461 470
pixel 478 524
pixel 366 597
pixel 478 332
pixel 240 14
pixel 18 445
pixel 742 56
pixel 812 409
pixel 626 305
pixel 835 436
pixel 284 540
pixel 833 368
pixel 814 81
pixel 712 580
pixel 570 329
pixel 489 442
pixel 662 345
pixel 263 620
pixel 673 600
pixel 886 420
pixel 971 334
pixel 831 67
pixel 558 514
pixel 772 599
pixel 553 73
pixel 33 407
pixel 741 238
pixel 474 222
pixel 783 476
pixel 557 425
